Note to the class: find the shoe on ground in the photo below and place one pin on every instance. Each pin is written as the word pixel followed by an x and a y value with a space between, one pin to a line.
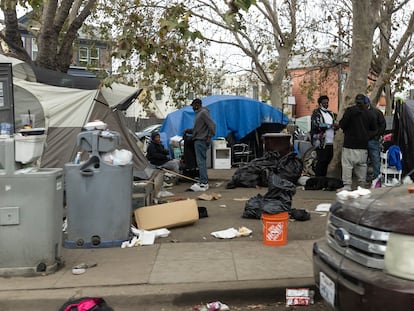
pixel 376 183
pixel 345 188
pixel 199 187
pixel 167 185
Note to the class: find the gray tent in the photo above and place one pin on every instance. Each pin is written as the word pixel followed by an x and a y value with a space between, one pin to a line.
pixel 63 111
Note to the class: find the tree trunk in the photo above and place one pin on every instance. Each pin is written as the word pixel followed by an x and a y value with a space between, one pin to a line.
pixel 11 34
pixel 364 21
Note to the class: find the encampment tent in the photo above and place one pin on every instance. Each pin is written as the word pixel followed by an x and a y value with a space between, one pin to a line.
pixel 63 112
pixel 236 115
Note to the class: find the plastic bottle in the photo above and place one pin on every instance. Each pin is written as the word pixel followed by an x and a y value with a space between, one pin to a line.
pixel 77 158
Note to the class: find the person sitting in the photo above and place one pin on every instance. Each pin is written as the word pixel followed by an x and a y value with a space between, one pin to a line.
pixel 158 156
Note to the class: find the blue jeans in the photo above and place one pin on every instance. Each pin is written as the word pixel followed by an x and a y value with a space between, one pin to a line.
pixel 200 148
pixel 374 150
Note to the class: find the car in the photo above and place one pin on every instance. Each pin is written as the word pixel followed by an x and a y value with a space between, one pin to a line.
pixel 365 261
pixel 146 132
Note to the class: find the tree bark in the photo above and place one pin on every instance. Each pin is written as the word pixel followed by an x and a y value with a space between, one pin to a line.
pixel 365 13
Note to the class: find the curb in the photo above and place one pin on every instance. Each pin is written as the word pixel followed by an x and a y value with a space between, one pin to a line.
pixel 125 296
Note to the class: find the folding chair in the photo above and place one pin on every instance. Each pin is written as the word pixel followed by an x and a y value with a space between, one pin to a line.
pixel 241 154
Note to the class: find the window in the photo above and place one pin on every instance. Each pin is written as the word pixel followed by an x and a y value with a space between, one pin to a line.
pixel 94 57
pixel 255 92
pixel 158 95
pixel 88 56
pixel 83 56
pixel 34 49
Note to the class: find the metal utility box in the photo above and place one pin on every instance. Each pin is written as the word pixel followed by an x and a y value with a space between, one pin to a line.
pixel 31 216
pixel 98 195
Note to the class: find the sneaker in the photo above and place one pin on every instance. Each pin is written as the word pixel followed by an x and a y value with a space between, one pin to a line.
pixel 199 187
pixel 345 188
pixel 376 183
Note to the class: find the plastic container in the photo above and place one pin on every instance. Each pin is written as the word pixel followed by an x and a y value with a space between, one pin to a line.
pixel 275 228
pixel 28 148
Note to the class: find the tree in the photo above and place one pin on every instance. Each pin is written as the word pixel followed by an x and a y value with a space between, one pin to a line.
pixel 156 47
pixel 57 24
pixel 265 32
pixel 151 41
pixel 367 16
pixel 392 59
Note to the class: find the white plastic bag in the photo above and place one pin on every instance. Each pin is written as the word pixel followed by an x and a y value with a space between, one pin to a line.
pixel 118 157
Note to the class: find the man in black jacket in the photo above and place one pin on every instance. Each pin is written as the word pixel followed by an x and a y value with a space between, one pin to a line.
pixel 158 156
pixel 323 127
pixel 358 126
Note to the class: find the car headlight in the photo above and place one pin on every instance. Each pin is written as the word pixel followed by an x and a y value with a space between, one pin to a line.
pixel 399 256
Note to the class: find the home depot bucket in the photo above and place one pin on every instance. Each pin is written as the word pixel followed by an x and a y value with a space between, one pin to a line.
pixel 275 228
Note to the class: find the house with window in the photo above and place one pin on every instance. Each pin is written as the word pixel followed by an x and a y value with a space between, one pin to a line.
pixel 90 55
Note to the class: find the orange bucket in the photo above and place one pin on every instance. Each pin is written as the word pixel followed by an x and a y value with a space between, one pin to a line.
pixel 275 228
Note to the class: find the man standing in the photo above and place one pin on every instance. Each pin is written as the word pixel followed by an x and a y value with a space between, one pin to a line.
pixel 374 144
pixel 323 126
pixel 203 130
pixel 358 126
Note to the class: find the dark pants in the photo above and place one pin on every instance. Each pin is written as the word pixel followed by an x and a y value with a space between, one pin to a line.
pixel 324 156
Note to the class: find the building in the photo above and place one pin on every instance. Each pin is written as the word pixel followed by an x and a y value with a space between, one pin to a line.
pixel 90 55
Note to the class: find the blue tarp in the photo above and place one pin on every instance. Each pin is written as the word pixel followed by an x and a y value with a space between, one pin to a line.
pixel 233 114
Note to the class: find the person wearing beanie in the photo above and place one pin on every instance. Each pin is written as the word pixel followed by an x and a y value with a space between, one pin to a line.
pixel 374 145
pixel 202 132
pixel 158 156
pixel 358 126
pixel 323 127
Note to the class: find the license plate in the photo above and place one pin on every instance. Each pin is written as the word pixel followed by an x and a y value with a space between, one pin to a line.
pixel 327 288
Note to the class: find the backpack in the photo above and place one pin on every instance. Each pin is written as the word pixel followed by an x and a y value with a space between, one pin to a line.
pixel 86 304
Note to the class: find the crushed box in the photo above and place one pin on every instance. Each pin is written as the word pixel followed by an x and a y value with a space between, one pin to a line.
pixel 167 215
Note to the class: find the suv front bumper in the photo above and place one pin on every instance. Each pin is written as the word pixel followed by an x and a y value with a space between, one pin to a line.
pixel 360 288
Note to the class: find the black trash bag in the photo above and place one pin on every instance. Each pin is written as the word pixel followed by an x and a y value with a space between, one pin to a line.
pixel 323 183
pixel 290 167
pixel 277 199
pixel 255 173
pixel 275 206
pixel 246 176
pixel 254 207
pixel 278 187
pixel 299 214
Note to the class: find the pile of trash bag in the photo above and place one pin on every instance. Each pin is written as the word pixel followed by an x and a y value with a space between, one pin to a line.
pixel 277 199
pixel 257 172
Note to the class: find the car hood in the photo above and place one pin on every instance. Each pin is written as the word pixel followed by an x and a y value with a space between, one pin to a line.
pixel 386 209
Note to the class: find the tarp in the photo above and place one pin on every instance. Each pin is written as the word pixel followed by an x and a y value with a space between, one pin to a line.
pixel 404 134
pixel 233 114
pixel 63 111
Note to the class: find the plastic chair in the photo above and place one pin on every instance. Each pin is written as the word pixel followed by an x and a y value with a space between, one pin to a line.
pixel 241 154
pixel 388 173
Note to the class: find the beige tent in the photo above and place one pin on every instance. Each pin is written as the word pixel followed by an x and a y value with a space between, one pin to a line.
pixel 63 112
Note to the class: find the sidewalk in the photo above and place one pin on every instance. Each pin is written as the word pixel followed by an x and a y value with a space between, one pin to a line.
pixel 168 271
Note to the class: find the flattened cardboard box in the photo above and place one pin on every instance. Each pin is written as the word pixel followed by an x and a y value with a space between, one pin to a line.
pixel 167 215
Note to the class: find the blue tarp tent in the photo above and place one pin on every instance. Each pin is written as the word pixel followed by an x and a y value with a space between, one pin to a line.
pixel 233 114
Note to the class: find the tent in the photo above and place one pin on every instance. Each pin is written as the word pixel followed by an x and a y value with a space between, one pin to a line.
pixel 236 115
pixel 63 111
pixel 403 134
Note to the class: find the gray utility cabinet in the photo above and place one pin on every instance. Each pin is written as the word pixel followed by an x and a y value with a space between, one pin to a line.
pixel 98 196
pixel 31 216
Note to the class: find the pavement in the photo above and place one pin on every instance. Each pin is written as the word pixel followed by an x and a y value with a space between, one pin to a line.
pixel 187 271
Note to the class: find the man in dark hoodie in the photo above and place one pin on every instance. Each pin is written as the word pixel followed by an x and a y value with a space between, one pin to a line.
pixel 358 126
pixel 158 156
pixel 202 132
